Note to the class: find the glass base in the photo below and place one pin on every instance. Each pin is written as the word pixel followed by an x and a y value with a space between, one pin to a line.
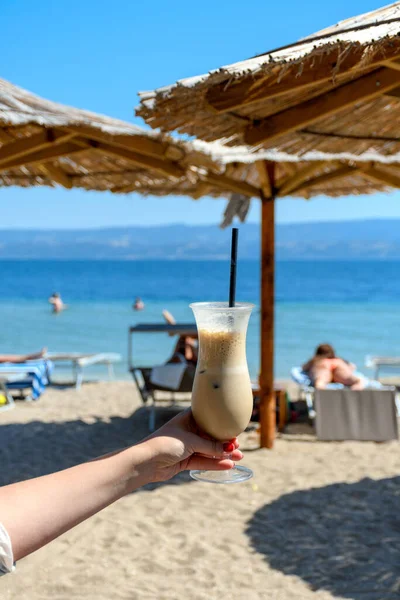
pixel 235 475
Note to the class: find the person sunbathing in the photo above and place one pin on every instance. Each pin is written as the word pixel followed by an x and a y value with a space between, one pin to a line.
pixel 325 367
pixel 186 346
pixel 21 358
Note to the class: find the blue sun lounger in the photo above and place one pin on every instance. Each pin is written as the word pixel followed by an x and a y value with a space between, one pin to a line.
pixel 6 398
pixel 36 376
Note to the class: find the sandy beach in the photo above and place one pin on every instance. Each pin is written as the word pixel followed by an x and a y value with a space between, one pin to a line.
pixel 319 520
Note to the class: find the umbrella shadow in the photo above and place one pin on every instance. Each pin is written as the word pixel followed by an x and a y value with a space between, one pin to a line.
pixel 343 538
pixel 38 448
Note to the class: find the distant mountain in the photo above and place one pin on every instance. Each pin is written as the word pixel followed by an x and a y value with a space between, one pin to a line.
pixel 369 239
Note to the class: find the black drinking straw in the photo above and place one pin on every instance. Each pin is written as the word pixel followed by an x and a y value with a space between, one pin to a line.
pixel 232 281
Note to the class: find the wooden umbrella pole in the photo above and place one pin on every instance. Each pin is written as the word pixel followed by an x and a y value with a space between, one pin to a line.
pixel 267 396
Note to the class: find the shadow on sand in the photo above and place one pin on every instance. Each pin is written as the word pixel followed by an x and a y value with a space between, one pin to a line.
pixel 37 448
pixel 343 538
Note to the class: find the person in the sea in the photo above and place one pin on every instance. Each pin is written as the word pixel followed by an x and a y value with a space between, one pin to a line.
pixel 36 511
pixel 138 304
pixel 21 358
pixel 56 301
pixel 325 367
pixel 186 345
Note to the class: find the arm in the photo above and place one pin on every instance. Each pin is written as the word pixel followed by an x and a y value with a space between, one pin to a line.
pixel 352 366
pixel 21 358
pixel 13 358
pixel 36 511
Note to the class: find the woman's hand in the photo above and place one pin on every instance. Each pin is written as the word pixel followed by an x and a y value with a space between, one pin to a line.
pixel 36 511
pixel 180 445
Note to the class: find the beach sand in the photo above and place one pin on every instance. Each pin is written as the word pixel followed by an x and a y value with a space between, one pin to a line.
pixel 319 520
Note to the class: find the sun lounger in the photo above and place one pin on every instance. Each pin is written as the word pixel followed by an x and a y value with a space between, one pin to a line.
pixel 36 376
pixel 6 398
pixel 366 415
pixel 162 383
pixel 79 361
pixel 168 377
pixel 307 390
pixel 377 362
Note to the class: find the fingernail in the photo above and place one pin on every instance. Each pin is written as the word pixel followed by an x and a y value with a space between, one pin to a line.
pixel 229 447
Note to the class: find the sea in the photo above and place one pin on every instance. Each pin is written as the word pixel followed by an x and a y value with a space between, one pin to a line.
pixel 354 305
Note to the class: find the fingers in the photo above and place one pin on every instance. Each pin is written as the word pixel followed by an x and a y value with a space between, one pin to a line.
pixel 213 448
pixel 199 442
pixel 200 445
pixel 210 464
pixel 232 445
pixel 236 455
pixel 185 421
pixel 210 447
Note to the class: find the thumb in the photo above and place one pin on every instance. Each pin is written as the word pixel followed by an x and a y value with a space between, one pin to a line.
pixel 200 445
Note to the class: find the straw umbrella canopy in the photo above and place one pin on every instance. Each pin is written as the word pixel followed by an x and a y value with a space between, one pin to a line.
pixel 335 90
pixel 46 143
pixel 331 90
pixel 242 170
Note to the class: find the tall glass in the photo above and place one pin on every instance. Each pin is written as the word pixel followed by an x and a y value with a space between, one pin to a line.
pixel 222 398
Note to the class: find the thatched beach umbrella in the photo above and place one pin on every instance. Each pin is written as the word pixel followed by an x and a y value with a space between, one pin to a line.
pixel 332 90
pixel 311 175
pixel 337 90
pixel 46 143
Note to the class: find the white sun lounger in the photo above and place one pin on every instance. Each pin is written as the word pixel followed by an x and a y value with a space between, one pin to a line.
pixel 80 361
pixel 377 362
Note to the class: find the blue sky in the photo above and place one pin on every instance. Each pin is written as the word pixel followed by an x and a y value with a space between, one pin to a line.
pixel 97 55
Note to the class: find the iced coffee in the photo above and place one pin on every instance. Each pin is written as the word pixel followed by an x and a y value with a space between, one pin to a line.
pixel 222 399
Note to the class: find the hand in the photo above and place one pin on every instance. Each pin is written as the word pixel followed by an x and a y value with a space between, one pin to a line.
pixel 180 445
